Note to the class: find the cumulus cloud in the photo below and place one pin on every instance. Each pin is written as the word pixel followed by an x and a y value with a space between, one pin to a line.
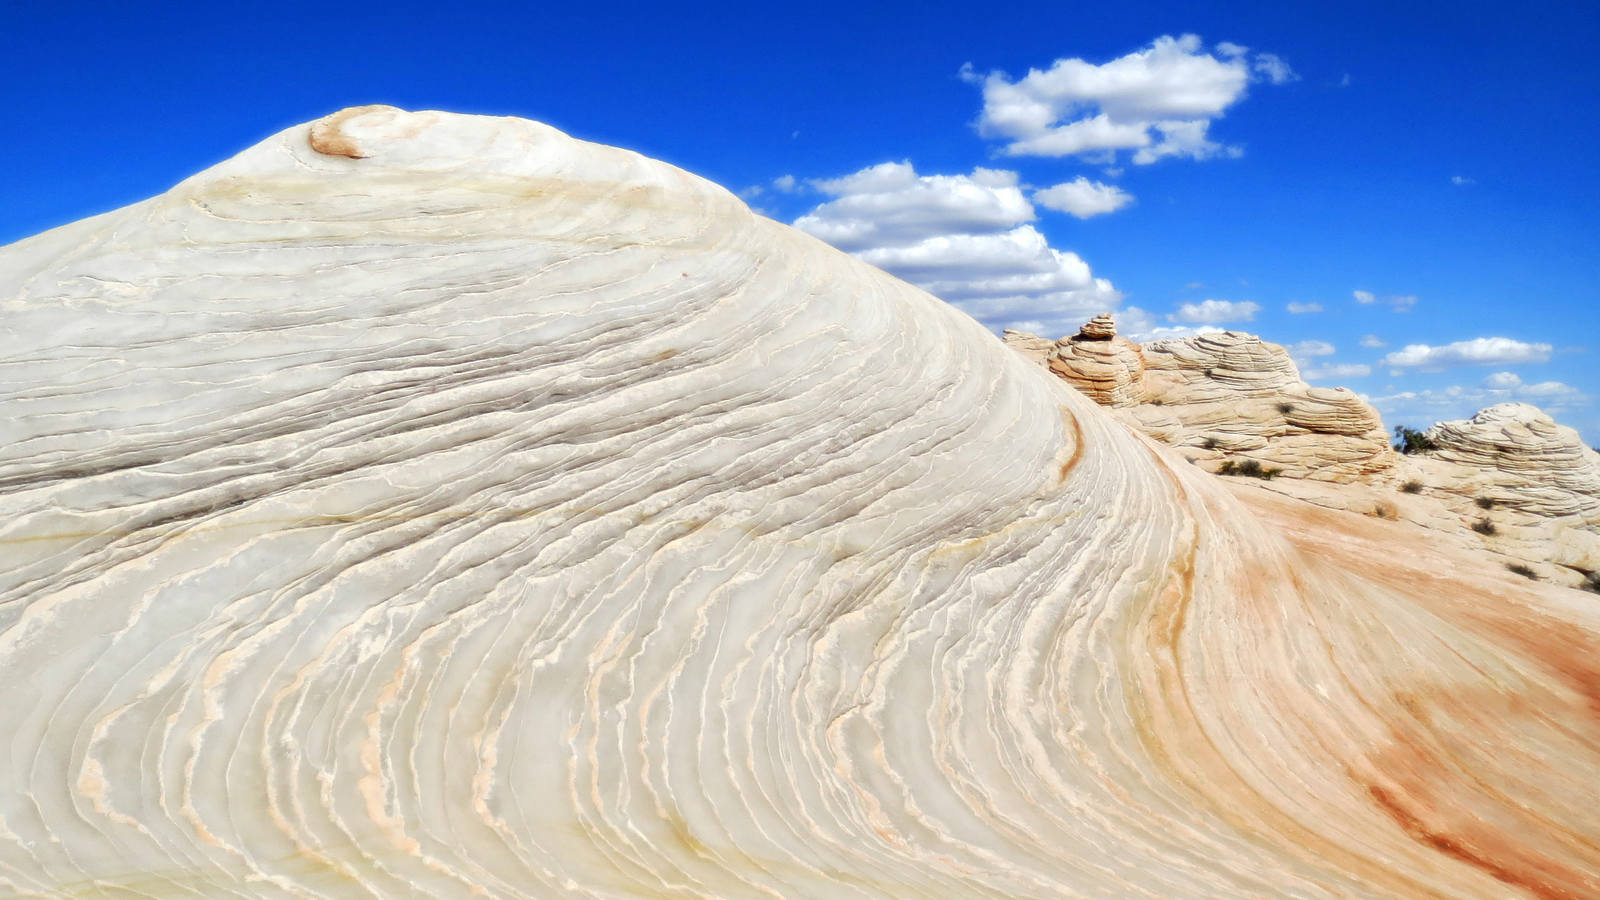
pixel 964 238
pixel 1300 309
pixel 1364 297
pixel 1158 101
pixel 890 205
pixel 1372 341
pixel 1083 198
pixel 1211 312
pixel 785 183
pixel 1486 351
pixel 1512 383
pixel 1462 180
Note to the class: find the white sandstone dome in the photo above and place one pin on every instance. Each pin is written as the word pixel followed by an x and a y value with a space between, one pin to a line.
pixel 432 505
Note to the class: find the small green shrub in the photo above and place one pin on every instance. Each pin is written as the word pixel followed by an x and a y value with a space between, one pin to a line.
pixel 1592 583
pixel 1209 443
pixel 1484 526
pixel 1411 487
pixel 1286 408
pixel 1523 570
pixel 1248 468
pixel 1411 440
pixel 1485 502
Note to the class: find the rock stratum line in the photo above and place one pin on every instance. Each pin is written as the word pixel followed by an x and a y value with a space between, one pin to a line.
pixel 433 505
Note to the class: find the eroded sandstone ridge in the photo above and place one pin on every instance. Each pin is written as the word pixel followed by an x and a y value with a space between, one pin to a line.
pixel 1510 481
pixel 1226 395
pixel 434 505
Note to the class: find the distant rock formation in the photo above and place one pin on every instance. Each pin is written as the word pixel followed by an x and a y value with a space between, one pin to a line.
pixel 1096 361
pixel 1220 396
pixel 1534 481
pixel 1509 481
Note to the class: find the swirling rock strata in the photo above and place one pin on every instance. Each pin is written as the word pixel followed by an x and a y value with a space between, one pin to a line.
pixel 447 507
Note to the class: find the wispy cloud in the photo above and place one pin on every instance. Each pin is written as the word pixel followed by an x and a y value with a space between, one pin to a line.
pixel 1396 302
pixel 1211 312
pixel 1336 371
pixel 1307 350
pixel 1372 341
pixel 1301 309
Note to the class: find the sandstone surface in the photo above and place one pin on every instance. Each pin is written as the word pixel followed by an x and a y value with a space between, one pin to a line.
pixel 433 505
pixel 1221 396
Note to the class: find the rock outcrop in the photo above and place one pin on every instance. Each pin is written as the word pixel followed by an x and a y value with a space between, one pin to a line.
pixel 1512 468
pixel 421 505
pixel 1222 396
pixel 1108 368
pixel 1509 482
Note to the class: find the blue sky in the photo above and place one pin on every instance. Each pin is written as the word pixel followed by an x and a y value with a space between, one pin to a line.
pixel 1438 159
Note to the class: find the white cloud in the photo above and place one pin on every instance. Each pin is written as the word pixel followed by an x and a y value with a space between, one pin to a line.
pixel 1159 101
pixel 1273 68
pixel 964 238
pixel 784 183
pixel 1542 391
pixel 891 205
pixel 1210 312
pixel 1300 309
pixel 1489 351
pixel 1456 401
pixel 753 191
pixel 1335 371
pixel 1372 341
pixel 1460 180
pixel 1397 302
pixel 1345 81
pixel 1309 349
pixel 1083 198
pixel 1138 325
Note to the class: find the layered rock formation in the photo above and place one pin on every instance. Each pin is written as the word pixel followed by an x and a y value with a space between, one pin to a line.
pixel 1510 482
pixel 1535 482
pixel 434 505
pixel 1221 396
